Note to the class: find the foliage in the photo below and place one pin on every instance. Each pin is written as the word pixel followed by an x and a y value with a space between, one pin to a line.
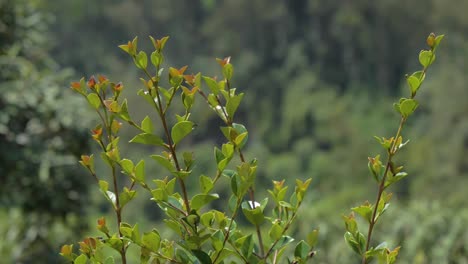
pixel 387 173
pixel 204 235
pixel 211 235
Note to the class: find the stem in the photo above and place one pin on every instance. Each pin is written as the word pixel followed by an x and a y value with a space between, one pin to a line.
pixel 172 148
pixel 228 232
pixel 242 158
pixel 252 198
pixel 286 227
pixel 373 221
pixel 118 212
pixel 391 153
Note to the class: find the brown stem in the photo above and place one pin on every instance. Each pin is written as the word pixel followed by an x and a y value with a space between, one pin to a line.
pixel 118 212
pixel 172 147
pixel 252 199
pixel 286 227
pixel 373 221
pixel 226 237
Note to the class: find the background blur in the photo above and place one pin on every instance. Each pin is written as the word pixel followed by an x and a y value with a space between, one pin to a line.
pixel 320 77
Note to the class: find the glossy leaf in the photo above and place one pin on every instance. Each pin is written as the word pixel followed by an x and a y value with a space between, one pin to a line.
pixel 200 200
pixel 312 238
pixel 156 58
pixel 81 259
pixel 151 240
pixel 181 130
pixel 147 125
pixel 212 84
pixel 202 257
pixel 140 171
pixel 302 250
pixel 426 58
pixel 232 104
pixel 126 196
pixel 148 139
pixel 365 211
pixel 93 100
pixel 276 231
pixel 283 241
pixel 407 107
pixel 413 84
pixel 164 162
pixel 206 184
pixel 127 165
pixel 141 60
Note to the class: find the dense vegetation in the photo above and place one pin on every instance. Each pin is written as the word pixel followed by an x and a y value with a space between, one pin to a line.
pixel 321 76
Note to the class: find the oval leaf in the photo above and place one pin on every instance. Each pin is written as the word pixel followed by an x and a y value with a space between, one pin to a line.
pixel 181 130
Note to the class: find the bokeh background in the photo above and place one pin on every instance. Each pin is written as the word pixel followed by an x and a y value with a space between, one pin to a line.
pixel 320 78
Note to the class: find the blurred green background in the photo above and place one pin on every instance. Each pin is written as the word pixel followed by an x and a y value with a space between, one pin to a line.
pixel 319 75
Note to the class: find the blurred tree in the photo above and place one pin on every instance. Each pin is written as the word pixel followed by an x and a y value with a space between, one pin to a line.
pixel 41 189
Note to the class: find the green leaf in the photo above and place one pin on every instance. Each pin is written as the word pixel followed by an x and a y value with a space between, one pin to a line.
pixel 426 58
pixel 393 179
pixel 284 240
pixel 147 96
pixel 151 240
pixel 302 250
pixel 232 104
pixel 181 130
pixel 240 129
pixel 103 185
pixel 438 39
pixel 217 240
pixel 352 243
pixel 219 156
pixel 202 257
pixel 126 229
pixel 224 254
pixel 126 196
pixel 127 166
pixel 365 211
pixel 147 125
pixel 140 171
pixel 141 60
pixel 93 100
pixel 157 58
pixel 164 162
pixel 212 84
pixel 228 71
pixel 413 84
pixel 109 260
pixel 81 259
pixel 206 184
pixel 114 242
pixel 275 232
pixel 241 139
pixel 148 139
pixel 254 215
pixel 408 106
pixel 421 75
pixel 123 113
pixel 200 200
pixel 229 173
pixel 312 238
pixel 246 245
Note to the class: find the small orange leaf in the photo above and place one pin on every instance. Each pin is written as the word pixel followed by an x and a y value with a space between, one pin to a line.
pixel 224 61
pixel 101 222
pixel 91 82
pixel 117 87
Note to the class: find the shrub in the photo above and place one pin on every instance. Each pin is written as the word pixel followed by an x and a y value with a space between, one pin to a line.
pixel 204 234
